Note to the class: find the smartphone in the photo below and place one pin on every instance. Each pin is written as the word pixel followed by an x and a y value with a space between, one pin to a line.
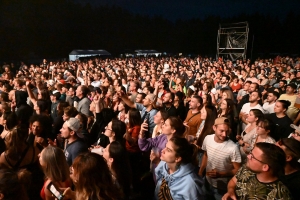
pixel 57 194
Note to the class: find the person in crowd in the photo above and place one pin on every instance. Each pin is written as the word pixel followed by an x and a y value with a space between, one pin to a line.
pixel 147 109
pixel 92 179
pixel 123 110
pixel 167 102
pixel 291 177
pixel 280 119
pixel 179 105
pixel 56 170
pixel 13 184
pixel 159 119
pixel 118 164
pixel 246 98
pixel 24 111
pixel 253 104
pixel 244 91
pixel 221 159
pixel 259 178
pixel 74 143
pixel 193 118
pixel 83 103
pixel 269 105
pixel 290 96
pixel 175 174
pixel 244 139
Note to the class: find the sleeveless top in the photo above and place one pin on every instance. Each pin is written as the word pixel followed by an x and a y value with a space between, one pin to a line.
pixel 43 194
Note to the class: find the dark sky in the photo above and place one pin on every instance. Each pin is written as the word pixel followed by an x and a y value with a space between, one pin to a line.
pixel 179 9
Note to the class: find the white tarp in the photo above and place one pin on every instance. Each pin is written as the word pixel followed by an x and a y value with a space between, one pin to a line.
pixel 78 53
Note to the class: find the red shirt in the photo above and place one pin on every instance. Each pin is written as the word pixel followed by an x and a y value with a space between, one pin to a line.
pixel 134 132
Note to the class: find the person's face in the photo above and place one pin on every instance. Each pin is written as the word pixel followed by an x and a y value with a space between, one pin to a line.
pixel 281 84
pixel 224 95
pixel 65 117
pixel 158 118
pixel 168 154
pixel 36 128
pixel 278 108
pixel 223 80
pixel 203 113
pixel 204 98
pixel 166 98
pixel 271 97
pixel 145 90
pixel 204 87
pixel 146 101
pixel 290 90
pixel 132 87
pixel 223 105
pixel 251 117
pixel 194 104
pixel 246 86
pixel 108 130
pixel 252 88
pixel 167 129
pixel 78 91
pixel 221 132
pixel 121 107
pixel 253 97
pixel 254 160
pixel 2 121
pixel 261 130
pixel 65 132
pixel 139 98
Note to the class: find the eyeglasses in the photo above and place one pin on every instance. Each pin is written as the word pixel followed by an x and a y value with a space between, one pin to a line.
pixel 252 156
pixel 280 142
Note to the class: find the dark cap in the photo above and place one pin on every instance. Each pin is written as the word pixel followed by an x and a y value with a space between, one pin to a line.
pixel 292 85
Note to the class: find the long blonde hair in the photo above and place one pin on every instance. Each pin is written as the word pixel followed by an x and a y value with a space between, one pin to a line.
pixel 56 168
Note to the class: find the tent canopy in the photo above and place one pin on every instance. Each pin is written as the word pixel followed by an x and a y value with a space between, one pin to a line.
pixel 147 53
pixel 77 53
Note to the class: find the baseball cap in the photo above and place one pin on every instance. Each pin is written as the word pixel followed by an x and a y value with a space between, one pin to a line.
pixel 74 124
pixel 56 93
pixel 221 120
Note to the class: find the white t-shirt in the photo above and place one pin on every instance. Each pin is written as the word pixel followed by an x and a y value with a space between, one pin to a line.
pixel 96 83
pixel 220 156
pixel 246 109
pixel 268 108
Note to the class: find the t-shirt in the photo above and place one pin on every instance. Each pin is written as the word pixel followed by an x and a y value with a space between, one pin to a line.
pixel 74 149
pixel 220 156
pixel 268 108
pixel 292 181
pixel 292 110
pixel 193 121
pixel 282 129
pixel 248 187
pixel 246 109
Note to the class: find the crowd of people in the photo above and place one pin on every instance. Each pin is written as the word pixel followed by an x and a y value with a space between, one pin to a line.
pixel 150 128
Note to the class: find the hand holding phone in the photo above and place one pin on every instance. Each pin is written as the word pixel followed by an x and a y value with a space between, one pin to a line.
pixel 56 192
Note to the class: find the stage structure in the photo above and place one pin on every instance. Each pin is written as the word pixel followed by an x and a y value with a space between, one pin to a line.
pixel 232 40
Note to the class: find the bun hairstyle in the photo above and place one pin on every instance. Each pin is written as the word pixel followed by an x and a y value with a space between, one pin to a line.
pixel 177 124
pixel 185 150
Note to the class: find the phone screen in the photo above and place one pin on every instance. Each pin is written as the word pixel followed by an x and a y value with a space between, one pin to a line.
pixel 54 191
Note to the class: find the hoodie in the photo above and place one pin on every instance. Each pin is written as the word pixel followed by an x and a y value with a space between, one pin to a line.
pixel 183 184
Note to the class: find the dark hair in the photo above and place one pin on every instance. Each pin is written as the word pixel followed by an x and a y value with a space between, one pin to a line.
pixel 199 99
pixel 208 100
pixel 266 124
pixel 42 104
pixel 177 124
pixel 164 114
pixel 209 122
pixel 120 165
pixel 257 113
pixel 272 155
pixel 83 120
pixel 134 117
pixel 293 148
pixel 172 96
pixel 11 119
pixel 94 179
pixel 256 86
pixel 180 96
pixel 61 106
pixel 143 95
pixel 70 111
pixel 119 128
pixel 85 90
pixel 4 96
pixel 285 104
pixel 184 149
pixel 258 94
pixel 276 94
pixel 11 183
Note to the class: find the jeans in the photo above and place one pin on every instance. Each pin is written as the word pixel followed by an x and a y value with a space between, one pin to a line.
pixel 212 193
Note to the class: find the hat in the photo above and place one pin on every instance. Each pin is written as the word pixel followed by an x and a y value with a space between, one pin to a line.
pixel 56 93
pixel 292 85
pixel 221 120
pixel 51 82
pixel 74 125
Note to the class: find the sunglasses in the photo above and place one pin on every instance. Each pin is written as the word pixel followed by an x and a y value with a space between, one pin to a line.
pixel 280 143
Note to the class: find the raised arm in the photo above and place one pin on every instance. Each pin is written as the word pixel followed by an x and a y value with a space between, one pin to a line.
pixel 126 99
pixel 30 93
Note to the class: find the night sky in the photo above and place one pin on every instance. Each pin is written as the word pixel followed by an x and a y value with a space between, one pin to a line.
pixel 179 9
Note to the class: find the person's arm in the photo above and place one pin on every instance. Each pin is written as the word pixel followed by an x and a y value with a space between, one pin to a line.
pixel 243 117
pixel 203 164
pixel 30 93
pixel 127 100
pixel 133 137
pixel 230 190
pixel 221 174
